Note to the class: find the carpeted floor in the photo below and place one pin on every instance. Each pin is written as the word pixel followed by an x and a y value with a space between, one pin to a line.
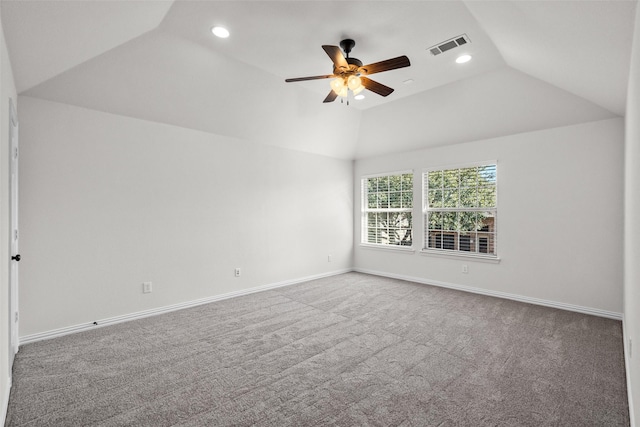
pixel 348 350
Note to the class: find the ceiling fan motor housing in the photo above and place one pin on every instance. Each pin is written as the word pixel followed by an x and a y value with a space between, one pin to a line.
pixel 354 68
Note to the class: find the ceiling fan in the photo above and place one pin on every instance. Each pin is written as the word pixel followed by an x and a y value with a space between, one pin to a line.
pixel 349 73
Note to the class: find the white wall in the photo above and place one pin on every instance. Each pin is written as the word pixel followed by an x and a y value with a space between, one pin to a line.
pixel 7 90
pixel 632 224
pixel 108 202
pixel 559 216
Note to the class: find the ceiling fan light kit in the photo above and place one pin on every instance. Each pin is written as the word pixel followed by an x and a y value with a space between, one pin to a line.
pixel 349 73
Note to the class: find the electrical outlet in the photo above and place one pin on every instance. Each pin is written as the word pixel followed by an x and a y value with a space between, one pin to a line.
pixel 146 288
pixel 237 272
pixel 465 268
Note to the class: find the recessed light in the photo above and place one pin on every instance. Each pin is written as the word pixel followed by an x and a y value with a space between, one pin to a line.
pixel 359 97
pixel 221 32
pixel 463 58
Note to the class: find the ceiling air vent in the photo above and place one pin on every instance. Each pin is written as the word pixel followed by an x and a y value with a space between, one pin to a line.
pixel 449 44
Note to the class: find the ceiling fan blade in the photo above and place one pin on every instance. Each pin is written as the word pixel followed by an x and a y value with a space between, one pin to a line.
pixel 336 56
pixel 301 79
pixel 376 87
pixel 331 97
pixel 389 64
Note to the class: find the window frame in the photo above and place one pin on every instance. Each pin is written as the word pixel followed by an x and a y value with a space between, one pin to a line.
pixel 365 210
pixel 426 210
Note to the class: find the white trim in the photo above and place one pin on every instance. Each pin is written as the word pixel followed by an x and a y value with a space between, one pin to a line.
pixel 14 145
pixel 627 366
pixel 376 175
pixel 5 402
pixel 141 314
pixel 504 295
pixel 169 308
pixel 460 165
pixel 460 254
pixel 13 113
pixel 397 248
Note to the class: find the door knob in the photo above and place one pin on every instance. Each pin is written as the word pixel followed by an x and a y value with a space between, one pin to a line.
pixel 17 257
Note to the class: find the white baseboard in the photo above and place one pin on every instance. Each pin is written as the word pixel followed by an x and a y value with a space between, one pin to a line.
pixel 627 366
pixel 152 312
pixel 514 297
pixel 166 309
pixel 5 403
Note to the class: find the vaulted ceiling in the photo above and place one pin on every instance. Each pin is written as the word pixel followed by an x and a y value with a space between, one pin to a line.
pixel 536 65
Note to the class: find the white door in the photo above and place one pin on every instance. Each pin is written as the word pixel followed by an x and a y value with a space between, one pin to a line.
pixel 15 256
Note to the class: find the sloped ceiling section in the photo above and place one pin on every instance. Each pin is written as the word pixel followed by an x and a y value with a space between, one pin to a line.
pixel 500 103
pixel 536 64
pixel 581 46
pixel 192 88
pixel 46 38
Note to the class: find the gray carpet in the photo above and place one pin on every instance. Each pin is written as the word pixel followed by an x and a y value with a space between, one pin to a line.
pixel 348 350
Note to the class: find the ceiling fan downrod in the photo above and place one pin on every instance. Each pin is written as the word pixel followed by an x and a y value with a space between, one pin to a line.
pixel 347 45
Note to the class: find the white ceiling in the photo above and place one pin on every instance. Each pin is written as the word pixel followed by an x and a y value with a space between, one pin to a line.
pixel 536 64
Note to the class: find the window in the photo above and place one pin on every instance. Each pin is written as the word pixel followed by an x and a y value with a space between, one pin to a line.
pixel 387 209
pixel 460 210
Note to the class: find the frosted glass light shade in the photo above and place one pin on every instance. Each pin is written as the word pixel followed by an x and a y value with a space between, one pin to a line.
pixel 354 82
pixel 337 85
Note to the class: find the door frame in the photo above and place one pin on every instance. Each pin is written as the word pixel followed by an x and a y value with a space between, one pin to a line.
pixel 13 235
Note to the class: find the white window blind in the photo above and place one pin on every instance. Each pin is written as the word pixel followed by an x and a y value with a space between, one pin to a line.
pixel 460 210
pixel 387 209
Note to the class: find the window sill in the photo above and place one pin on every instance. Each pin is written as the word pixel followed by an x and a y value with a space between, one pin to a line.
pixel 396 248
pixel 458 255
